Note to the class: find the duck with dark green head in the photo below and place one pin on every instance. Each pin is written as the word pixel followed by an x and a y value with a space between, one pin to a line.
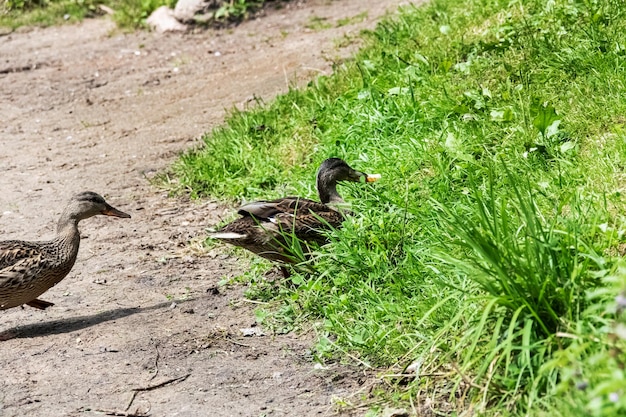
pixel 267 226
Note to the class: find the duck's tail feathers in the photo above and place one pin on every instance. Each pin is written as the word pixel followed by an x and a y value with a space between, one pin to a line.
pixel 40 304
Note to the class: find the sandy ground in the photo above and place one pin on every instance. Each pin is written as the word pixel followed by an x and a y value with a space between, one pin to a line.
pixel 87 108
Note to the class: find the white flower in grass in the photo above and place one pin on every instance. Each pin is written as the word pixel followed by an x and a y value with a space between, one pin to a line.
pixel 621 302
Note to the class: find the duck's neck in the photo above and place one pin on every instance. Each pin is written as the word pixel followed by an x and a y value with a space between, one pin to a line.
pixel 327 190
pixel 68 236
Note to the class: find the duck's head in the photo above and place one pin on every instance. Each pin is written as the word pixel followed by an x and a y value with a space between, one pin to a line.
pixel 334 170
pixel 87 204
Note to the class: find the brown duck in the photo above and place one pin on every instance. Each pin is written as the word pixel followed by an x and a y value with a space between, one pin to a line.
pixel 267 227
pixel 28 269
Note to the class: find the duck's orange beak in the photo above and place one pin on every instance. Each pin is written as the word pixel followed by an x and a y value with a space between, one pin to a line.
pixel 112 211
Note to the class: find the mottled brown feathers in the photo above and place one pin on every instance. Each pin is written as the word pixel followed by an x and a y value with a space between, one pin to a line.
pixel 28 269
pixel 268 227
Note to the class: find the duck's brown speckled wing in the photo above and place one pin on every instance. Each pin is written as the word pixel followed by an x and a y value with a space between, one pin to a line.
pixel 289 210
pixel 300 216
pixel 266 226
pixel 266 209
pixel 21 264
pixel 12 251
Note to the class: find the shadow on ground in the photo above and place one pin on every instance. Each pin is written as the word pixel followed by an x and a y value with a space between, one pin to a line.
pixel 72 324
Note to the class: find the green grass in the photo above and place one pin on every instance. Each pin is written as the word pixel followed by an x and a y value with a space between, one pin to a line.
pixel 490 252
pixel 128 14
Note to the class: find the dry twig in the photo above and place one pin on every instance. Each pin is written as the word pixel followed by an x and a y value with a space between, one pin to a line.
pixel 162 384
pixel 466 379
pixel 122 413
pixel 152 387
pixel 156 362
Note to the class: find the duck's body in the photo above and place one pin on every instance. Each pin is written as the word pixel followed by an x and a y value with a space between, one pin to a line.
pixel 28 269
pixel 267 227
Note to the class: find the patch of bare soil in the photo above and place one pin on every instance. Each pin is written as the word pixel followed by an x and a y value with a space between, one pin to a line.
pixel 139 320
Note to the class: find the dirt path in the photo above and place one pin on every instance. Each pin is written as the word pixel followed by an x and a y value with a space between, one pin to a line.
pixel 83 109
